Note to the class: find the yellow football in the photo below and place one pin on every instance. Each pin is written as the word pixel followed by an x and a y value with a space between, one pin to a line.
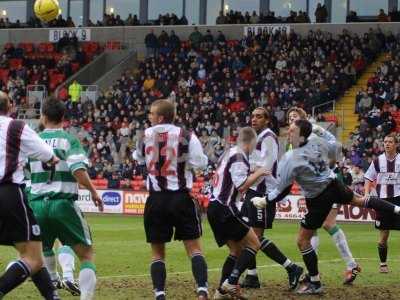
pixel 46 10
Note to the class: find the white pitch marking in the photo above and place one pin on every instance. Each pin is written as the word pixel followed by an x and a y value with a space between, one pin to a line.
pixel 219 269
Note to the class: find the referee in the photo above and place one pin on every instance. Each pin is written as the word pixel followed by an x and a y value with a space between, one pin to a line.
pixel 18 226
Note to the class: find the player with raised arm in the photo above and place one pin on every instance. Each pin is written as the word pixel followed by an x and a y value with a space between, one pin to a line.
pixel 231 181
pixel 19 227
pixel 170 154
pixel 385 170
pixel 54 191
pixel 307 164
pixel 265 155
pixel 330 225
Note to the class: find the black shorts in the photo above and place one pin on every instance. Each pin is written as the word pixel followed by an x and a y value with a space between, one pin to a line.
pixel 257 217
pixel 388 221
pixel 226 224
pixel 17 222
pixel 319 207
pixel 166 211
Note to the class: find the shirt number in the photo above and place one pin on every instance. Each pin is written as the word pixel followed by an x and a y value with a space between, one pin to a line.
pixel 168 153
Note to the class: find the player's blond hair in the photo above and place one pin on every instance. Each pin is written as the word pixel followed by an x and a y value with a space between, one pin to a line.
pixel 247 135
pixel 165 108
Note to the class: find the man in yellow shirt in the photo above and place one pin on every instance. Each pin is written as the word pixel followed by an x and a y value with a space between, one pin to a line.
pixel 74 91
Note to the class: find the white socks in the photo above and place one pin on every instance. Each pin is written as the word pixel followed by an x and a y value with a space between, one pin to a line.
pixel 341 244
pixel 87 280
pixel 51 265
pixel 66 259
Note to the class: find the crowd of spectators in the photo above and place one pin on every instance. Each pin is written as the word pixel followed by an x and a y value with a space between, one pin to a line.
pixel 378 108
pixel 231 17
pixel 237 17
pixel 216 83
pixel 38 65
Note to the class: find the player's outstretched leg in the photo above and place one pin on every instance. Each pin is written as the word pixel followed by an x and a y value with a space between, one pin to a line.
pixel 66 259
pixel 339 238
pixel 383 250
pixel 272 251
pixel 87 273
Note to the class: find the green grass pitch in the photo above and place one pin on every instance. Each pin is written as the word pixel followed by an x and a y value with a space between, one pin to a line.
pixel 122 260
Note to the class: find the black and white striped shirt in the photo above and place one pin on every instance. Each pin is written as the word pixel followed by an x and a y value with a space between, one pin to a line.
pixel 266 156
pixel 232 172
pixel 387 175
pixel 18 142
pixel 170 154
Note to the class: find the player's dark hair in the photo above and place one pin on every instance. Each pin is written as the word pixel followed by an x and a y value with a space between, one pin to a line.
pixel 4 103
pixel 265 112
pixel 305 128
pixel 53 110
pixel 165 108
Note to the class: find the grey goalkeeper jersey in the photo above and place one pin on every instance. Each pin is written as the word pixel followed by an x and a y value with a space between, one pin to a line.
pixel 308 166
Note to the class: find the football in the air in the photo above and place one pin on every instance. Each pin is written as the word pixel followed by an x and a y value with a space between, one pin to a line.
pixel 46 10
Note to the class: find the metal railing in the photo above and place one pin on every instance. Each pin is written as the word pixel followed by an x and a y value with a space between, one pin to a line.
pixel 325 104
pixel 89 93
pixel 35 93
pixel 28 113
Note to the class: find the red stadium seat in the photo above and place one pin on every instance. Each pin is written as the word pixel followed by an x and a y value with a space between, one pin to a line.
pixel 4 75
pixel 74 67
pixel 15 63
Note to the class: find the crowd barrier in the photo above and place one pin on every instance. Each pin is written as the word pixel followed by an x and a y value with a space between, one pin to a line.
pixel 133 202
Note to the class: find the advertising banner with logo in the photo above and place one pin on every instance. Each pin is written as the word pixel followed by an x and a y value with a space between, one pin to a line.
pixel 294 207
pixel 134 202
pixel 112 200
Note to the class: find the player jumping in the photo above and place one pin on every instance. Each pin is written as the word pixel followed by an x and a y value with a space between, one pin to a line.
pixel 307 164
pixel 330 225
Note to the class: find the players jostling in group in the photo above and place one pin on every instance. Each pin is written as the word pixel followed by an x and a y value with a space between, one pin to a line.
pixel 307 164
pixel 231 181
pixel 265 155
pixel 330 225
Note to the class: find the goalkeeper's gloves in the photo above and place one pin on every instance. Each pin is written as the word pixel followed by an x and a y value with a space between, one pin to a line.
pixel 259 202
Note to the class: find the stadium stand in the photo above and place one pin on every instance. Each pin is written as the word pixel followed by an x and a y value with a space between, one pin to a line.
pixel 378 109
pixel 216 82
pixel 43 64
